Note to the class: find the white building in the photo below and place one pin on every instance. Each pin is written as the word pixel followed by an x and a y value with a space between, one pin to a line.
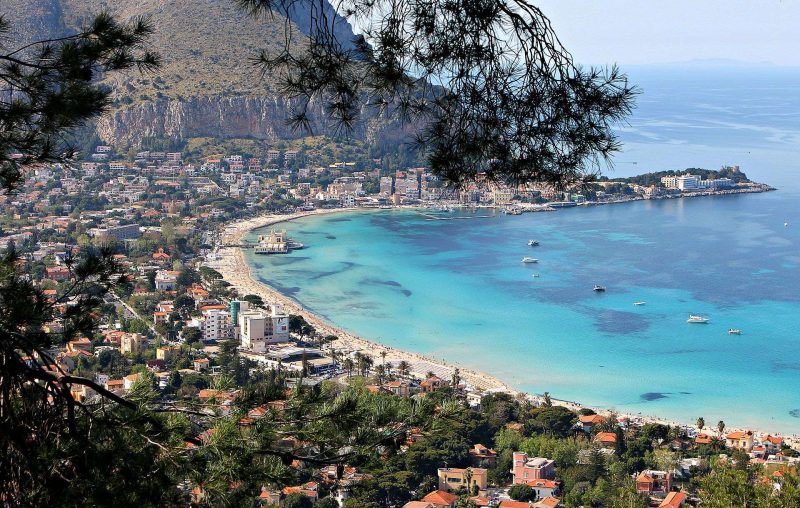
pixel 258 328
pixel 688 182
pixel 166 280
pixel 217 325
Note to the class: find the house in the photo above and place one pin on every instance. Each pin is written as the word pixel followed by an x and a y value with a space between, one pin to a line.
pixel 544 488
pixel 740 440
pixel 588 422
pixel 166 280
pixel 399 388
pixel 674 500
pixel 115 385
pixel 606 438
pixel 772 444
pixel 417 504
pixel 548 502
pixel 166 352
pixel 441 499
pixel 201 364
pixel 482 456
pixel 654 483
pixel 128 381
pixel 432 384
pixel 82 344
pixel 525 469
pixel 132 343
pixel 514 504
pixel 451 478
pixel 702 439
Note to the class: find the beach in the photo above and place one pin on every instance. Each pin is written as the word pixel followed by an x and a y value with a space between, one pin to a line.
pixel 230 262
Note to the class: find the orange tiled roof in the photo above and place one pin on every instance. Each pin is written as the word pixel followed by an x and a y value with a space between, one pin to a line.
pixel 738 435
pixel 440 497
pixel 606 437
pixel 550 502
pixel 592 419
pixel 673 500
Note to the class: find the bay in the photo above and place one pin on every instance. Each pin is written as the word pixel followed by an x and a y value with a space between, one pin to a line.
pixel 456 289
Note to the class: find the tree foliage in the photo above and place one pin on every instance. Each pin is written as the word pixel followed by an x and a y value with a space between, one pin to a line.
pixel 489 84
pixel 48 88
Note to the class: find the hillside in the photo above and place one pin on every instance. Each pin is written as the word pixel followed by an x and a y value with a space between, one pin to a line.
pixel 208 85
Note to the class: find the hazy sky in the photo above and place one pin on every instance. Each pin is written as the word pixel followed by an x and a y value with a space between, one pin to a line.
pixel 662 31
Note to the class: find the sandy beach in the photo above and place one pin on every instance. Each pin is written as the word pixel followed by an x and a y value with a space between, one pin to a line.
pixel 230 262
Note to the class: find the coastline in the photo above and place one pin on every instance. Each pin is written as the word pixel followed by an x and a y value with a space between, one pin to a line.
pixel 232 265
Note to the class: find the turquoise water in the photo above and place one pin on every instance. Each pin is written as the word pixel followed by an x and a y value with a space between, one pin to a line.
pixel 456 289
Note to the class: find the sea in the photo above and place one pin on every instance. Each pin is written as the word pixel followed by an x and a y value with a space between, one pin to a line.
pixel 452 285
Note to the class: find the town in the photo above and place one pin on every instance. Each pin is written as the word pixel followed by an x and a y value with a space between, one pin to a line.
pixel 181 331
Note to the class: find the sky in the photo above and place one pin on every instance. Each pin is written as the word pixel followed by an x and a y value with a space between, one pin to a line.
pixel 635 32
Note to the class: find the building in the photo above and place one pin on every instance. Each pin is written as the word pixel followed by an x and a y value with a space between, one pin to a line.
pixel 166 280
pixel 257 328
pixel 654 483
pixel 483 456
pixel 588 422
pixel 674 500
pixel 441 499
pixel 740 441
pixel 688 182
pixel 132 343
pixel 216 325
pixel 606 438
pixel 544 488
pixel 123 232
pixel 451 478
pixel 525 469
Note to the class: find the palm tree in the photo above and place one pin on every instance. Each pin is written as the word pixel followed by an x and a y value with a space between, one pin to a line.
pixel 547 401
pixel 334 356
pixel 380 371
pixel 456 377
pixel 383 356
pixel 468 478
pixel 364 362
pixel 348 364
pixel 701 422
pixel 403 368
pixel 721 427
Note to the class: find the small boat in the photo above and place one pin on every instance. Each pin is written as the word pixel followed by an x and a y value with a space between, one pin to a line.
pixel 693 318
pixel 639 303
pixel 535 275
pixel 528 259
pixel 533 243
pixel 734 331
pixel 599 289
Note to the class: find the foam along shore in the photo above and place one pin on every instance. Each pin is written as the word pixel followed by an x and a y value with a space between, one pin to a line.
pixel 229 260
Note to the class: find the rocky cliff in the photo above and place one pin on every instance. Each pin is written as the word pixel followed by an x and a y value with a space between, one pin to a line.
pixel 207 86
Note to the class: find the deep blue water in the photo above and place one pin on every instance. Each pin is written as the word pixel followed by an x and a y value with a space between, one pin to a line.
pixel 456 289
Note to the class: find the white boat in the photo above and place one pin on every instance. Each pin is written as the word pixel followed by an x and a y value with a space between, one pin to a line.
pixel 639 303
pixel 528 259
pixel 734 331
pixel 533 243
pixel 535 275
pixel 598 288
pixel 693 318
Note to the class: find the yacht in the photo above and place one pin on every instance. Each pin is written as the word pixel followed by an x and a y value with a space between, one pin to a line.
pixel 639 303
pixel 734 331
pixel 533 243
pixel 697 319
pixel 535 275
pixel 528 259
pixel 599 289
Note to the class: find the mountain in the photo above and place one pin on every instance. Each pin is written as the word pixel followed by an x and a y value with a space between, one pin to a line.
pixel 208 85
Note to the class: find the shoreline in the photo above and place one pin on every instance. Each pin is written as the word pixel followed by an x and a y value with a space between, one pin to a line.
pixel 231 263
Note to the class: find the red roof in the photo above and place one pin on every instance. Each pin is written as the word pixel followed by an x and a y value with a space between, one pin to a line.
pixel 592 419
pixel 673 500
pixel 440 497
pixel 606 437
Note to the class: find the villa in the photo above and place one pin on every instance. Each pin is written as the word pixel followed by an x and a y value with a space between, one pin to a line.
pixel 451 478
pixel 654 483
pixel 526 469
pixel 740 441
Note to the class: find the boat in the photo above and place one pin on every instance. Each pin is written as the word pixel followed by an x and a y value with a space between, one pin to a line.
pixel 599 289
pixel 535 275
pixel 734 331
pixel 528 259
pixel 533 243
pixel 693 318
pixel 639 303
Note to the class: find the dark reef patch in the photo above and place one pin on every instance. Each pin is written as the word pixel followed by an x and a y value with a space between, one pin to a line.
pixel 794 413
pixel 339 219
pixel 406 292
pixel 651 396
pixel 330 237
pixel 617 322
